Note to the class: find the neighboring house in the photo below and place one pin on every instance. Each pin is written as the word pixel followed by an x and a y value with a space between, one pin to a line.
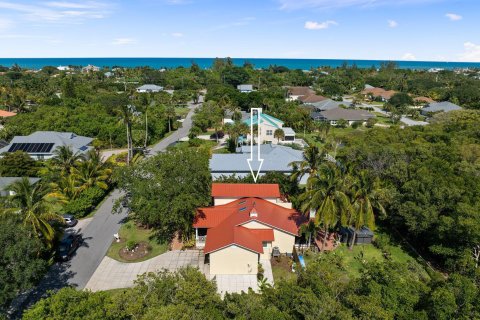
pixel 5 182
pixel 444 106
pixel 42 144
pixel 294 93
pixel 149 88
pixel 267 127
pixel 311 99
pixel 245 88
pixel 90 68
pixel 276 158
pixel 367 86
pixel 242 231
pixel 350 115
pixel 108 74
pixel 423 100
pixel 6 114
pixel 329 104
pixel 385 95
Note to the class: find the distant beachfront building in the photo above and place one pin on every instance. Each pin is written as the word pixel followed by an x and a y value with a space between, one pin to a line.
pixel 64 68
pixel 90 68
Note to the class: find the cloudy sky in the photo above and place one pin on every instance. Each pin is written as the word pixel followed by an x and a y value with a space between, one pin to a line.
pixel 442 30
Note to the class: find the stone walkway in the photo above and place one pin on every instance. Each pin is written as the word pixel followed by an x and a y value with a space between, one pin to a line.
pixel 112 274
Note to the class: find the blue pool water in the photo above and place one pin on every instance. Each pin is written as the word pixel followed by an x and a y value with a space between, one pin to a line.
pixel 302 261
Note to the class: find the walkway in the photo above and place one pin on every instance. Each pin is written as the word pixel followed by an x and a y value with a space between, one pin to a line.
pixel 112 274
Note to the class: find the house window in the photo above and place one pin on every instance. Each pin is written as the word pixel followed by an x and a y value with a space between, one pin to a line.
pixel 269 132
pixel 265 244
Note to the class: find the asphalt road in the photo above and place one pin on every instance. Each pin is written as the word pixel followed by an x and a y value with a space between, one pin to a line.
pixel 97 236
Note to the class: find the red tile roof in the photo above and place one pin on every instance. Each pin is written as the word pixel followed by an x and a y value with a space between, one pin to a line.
pixel 300 91
pixel 223 223
pixel 380 92
pixel 238 190
pixel 6 114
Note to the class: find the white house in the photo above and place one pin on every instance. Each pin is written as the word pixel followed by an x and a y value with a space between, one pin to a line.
pixel 245 88
pixel 149 88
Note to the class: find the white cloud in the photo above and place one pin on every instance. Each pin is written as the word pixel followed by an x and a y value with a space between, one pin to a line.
pixel 312 25
pixel 123 41
pixel 330 4
pixel 392 23
pixel 453 16
pixel 471 52
pixel 409 56
pixel 5 24
pixel 177 34
pixel 75 5
pixel 59 12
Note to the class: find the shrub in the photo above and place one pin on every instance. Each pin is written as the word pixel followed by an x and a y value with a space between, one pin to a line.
pixel 85 203
pixel 131 244
pixel 371 122
pixel 382 241
pixel 356 124
pixel 260 273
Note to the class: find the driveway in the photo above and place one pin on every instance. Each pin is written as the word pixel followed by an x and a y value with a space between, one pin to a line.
pixel 97 235
pixel 112 274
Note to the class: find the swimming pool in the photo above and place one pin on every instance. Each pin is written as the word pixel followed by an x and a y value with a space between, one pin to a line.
pixel 302 261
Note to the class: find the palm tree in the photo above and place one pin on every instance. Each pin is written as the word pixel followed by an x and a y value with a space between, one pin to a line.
pixel 170 113
pixel 35 207
pixel 325 195
pixel 308 230
pixel 93 172
pixel 279 134
pixel 125 112
pixel 65 158
pixel 312 159
pixel 235 130
pixel 367 196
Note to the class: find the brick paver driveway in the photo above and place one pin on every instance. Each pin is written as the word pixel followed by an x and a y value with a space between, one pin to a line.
pixel 112 274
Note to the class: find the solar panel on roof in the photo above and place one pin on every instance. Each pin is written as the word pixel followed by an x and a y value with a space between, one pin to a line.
pixel 31 147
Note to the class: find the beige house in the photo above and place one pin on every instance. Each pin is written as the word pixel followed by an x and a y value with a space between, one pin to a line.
pixel 246 223
pixel 267 127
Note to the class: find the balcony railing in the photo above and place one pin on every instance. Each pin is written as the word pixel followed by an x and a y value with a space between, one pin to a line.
pixel 200 241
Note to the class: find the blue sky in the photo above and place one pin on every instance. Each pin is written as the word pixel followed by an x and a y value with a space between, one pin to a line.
pixel 443 30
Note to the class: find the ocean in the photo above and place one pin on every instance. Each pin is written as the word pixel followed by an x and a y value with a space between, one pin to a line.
pixel 304 64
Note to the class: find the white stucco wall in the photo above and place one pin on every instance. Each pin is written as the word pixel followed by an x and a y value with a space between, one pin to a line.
pixel 233 260
pixel 284 241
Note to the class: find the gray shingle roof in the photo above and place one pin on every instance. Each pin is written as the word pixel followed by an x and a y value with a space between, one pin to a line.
pixel 276 158
pixel 328 104
pixel 77 143
pixel 345 114
pixel 245 87
pixel 444 106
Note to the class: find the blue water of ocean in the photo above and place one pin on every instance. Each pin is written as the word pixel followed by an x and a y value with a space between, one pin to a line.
pixel 304 64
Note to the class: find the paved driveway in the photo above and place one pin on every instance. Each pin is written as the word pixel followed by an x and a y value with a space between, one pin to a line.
pixel 112 274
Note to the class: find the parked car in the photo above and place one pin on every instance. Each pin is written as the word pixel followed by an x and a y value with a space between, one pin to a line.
pixel 68 246
pixel 69 220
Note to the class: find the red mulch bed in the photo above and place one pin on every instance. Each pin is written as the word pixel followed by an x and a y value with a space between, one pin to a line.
pixel 140 251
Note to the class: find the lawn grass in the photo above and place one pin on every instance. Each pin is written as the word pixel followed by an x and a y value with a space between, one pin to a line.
pixel 221 150
pixel 280 273
pixel 181 111
pixel 129 231
pixel 363 254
